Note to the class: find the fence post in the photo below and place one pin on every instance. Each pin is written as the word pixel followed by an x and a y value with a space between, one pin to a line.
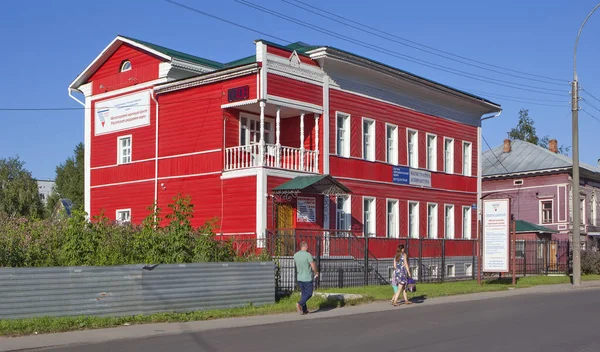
pixel 366 261
pixel 473 260
pixel 420 261
pixel 443 268
pixel 568 257
pixel 318 255
pixel 525 258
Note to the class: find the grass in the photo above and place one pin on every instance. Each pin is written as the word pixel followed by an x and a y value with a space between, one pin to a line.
pixel 29 326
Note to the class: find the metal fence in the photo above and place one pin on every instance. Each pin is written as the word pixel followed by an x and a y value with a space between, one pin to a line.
pixel 542 257
pixel 346 260
pixel 133 289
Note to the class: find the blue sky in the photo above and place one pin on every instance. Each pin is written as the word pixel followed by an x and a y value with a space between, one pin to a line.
pixel 46 44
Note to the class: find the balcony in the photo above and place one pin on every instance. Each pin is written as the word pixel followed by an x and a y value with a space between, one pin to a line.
pixel 271 155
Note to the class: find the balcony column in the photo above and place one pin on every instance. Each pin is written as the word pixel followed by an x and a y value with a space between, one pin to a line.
pixel 316 165
pixel 301 142
pixel 277 134
pixel 261 151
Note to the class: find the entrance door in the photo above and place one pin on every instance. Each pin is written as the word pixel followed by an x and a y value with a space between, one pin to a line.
pixel 553 257
pixel 285 232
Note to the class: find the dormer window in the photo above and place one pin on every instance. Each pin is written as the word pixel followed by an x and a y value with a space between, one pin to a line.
pixel 125 66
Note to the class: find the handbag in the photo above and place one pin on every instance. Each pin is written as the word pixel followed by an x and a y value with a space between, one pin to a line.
pixel 411 285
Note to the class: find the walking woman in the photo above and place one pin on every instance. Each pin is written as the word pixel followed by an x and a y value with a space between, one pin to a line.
pixel 401 275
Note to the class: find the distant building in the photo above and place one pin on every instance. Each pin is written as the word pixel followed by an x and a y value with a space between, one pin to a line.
pixel 45 189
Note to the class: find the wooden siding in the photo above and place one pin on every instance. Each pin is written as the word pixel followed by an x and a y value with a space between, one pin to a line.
pixel 239 205
pixel 292 89
pixel 136 196
pixel 123 173
pixel 191 164
pixel 144 68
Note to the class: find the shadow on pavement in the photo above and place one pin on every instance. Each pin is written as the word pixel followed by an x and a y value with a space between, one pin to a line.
pixel 418 299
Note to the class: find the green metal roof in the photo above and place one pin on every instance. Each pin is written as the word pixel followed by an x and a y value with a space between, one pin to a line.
pixel 525 226
pixel 179 55
pixel 313 184
pixel 241 62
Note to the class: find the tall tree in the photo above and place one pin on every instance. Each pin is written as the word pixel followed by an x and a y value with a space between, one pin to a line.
pixel 18 190
pixel 526 131
pixel 69 179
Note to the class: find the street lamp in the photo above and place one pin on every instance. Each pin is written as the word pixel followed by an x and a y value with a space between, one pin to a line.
pixel 575 131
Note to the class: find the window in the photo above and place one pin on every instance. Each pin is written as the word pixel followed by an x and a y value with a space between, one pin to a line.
pixel 594 207
pixel 42 197
pixel 393 223
pixel 123 216
pixel 124 150
pixel 414 272
pixel 413 149
pixel 368 139
pixel 582 211
pixel 468 270
pixel 432 223
pixel 391 133
pixel 467 166
pixel 369 216
pixel 125 66
pixel 449 221
pixel 466 222
pixel 520 248
pixel 518 182
pixel 546 212
pixel 449 155
pixel 343 213
pixel 413 220
pixel 450 270
pixel 250 130
pixel 433 271
pixel 432 152
pixel 343 134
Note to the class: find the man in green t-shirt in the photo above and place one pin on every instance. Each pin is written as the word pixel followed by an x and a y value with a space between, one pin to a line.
pixel 304 263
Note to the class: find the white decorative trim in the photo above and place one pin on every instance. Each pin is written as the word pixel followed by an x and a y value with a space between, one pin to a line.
pixel 124 183
pixel 408 131
pixel 160 178
pixel 396 184
pixel 534 172
pixel 521 188
pixel 452 150
pixel 373 139
pixel 239 103
pixel 433 168
pixel 307 73
pixel 284 173
pixel 239 173
pixel 130 89
pixel 261 206
pixel 119 155
pixel 366 232
pixel 87 152
pixel 397 213
pixel 188 66
pixel 295 104
pixel 462 158
pixel 192 175
pixel 479 175
pixel 453 223
pixel 418 217
pixel 261 56
pixel 436 222
pixel 540 210
pixel 208 78
pixel 163 69
pixel 395 127
pixel 326 135
pixel 86 89
pixel 123 210
pixel 160 158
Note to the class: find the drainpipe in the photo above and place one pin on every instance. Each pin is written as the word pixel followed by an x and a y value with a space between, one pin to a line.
pixel 73 97
pixel 155 154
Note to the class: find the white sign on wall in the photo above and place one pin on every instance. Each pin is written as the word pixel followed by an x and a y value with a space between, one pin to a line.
pixel 122 113
pixel 496 232
pixel 306 209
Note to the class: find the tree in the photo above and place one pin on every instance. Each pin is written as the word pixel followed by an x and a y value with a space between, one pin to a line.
pixel 18 190
pixel 70 180
pixel 526 131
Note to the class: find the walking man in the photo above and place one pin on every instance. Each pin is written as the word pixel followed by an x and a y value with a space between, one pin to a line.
pixel 305 266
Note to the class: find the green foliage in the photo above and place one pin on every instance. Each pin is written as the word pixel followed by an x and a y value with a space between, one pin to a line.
pixel 526 131
pixel 18 190
pixel 77 242
pixel 69 180
pixel 590 262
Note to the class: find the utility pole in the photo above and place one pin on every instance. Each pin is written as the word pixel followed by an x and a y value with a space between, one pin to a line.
pixel 575 130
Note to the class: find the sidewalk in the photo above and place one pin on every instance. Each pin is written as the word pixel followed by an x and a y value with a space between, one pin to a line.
pixel 149 330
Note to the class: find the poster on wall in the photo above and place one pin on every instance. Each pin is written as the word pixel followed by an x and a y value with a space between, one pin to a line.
pixel 307 209
pixel 122 113
pixel 496 232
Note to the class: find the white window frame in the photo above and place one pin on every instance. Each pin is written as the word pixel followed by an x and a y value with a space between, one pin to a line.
pixel 582 212
pixel 345 152
pixel 371 153
pixel 124 67
pixel 432 220
pixel 395 231
pixel 541 204
pixel 431 152
pixel 469 231
pixel 433 271
pixel 416 220
pixel 371 229
pixel 450 270
pixel 413 161
pixel 594 210
pixel 520 249
pixel 468 269
pixel 449 160
pixel 269 137
pixel 122 211
pixel 414 272
pixel 346 212
pixel 467 171
pixel 120 150
pixel 391 159
pixel 449 234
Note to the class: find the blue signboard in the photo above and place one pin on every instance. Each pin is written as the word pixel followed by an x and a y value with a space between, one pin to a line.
pixel 400 174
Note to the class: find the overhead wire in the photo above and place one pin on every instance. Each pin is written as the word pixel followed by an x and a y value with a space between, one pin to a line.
pixel 491 150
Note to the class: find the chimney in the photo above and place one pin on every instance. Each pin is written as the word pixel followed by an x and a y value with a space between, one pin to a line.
pixel 553 145
pixel 506 146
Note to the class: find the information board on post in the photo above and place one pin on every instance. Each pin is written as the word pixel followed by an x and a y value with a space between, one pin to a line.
pixel 306 209
pixel 496 235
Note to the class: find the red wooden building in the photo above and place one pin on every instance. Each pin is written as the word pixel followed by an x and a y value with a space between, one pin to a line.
pixel 399 154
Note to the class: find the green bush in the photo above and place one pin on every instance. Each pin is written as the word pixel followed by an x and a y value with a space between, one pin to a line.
pixel 77 242
pixel 590 262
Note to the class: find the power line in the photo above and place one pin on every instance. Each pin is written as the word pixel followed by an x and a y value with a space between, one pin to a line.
pixel 592 116
pixel 590 94
pixel 590 104
pixel 491 150
pixel 402 56
pixel 417 46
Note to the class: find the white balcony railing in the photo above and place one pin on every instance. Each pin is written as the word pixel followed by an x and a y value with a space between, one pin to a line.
pixel 282 157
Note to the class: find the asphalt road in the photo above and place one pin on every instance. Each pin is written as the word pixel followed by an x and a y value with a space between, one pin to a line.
pixel 547 322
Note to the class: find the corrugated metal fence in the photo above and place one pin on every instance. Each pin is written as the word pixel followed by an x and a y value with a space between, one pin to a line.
pixel 133 289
